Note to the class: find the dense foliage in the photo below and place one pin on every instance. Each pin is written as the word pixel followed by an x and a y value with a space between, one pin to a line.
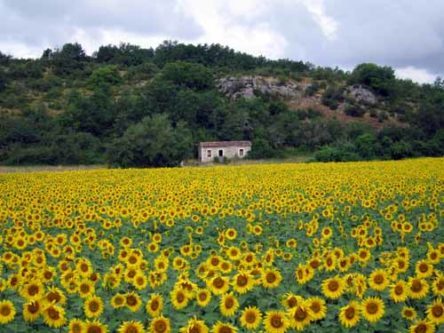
pixel 68 107
pixel 278 248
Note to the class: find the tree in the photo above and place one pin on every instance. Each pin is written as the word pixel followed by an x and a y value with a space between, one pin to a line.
pixel 184 74
pixel 2 81
pixel 380 79
pixel 152 142
pixel 5 59
pixel 105 76
pixel 69 59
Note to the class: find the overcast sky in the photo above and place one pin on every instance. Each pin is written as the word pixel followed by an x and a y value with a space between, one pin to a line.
pixel 405 34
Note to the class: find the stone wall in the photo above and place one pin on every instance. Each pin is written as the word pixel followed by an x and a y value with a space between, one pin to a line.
pixel 228 152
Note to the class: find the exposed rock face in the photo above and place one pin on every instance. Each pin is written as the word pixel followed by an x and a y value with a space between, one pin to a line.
pixel 360 94
pixel 250 86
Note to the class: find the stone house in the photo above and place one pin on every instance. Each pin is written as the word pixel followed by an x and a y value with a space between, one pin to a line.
pixel 207 151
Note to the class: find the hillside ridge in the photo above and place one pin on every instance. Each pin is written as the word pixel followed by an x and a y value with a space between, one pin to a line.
pixel 124 105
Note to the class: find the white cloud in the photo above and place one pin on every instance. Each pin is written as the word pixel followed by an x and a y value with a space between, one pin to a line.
pixel 403 34
pixel 230 22
pixel 419 75
pixel 19 50
pixel 328 24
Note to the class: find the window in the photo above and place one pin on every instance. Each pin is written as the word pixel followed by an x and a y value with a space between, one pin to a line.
pixel 221 153
pixel 241 152
pixel 209 153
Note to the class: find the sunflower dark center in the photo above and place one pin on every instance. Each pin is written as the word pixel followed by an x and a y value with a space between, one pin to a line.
pixel 53 314
pixel 276 321
pixel 250 317
pixel 350 313
pixel 372 308
pixel 270 277
pixel 421 328
pixel 160 326
pixel 242 281
pixel 5 310
pixel 437 310
pixel 333 285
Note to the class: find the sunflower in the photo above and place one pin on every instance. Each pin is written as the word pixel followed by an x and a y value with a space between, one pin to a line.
pixel 195 326
pixel 408 313
pixel 242 282
pixel 84 268
pixel 372 309
pixel 32 291
pixel 231 233
pixel 95 327
pixel 220 327
pixel 161 263
pixel 76 326
pixel 378 280
pixel 130 274
pixel 226 266
pixel 399 291
pixel 435 312
pixel 54 316
pixel 214 261
pixel 422 326
pixel 55 295
pixel 433 256
pixel 228 305
pixel 251 318
pixel 140 281
pixel 333 287
pixel 423 269
pixel 154 306
pixel 32 310
pixel 276 322
pixel 203 297
pixel 14 281
pixel 364 256
pixel 7 312
pixel 438 285
pixel 160 325
pixel 349 314
pixel 131 327
pixel 299 316
pixel 418 288
pixel 118 301
pixel 291 300
pixel 271 278
pixel 86 288
pixel 132 260
pixel 133 301
pixel 179 298
pixel 93 307
pixel 316 307
pixel 402 265
pixel 330 262
pixel 344 264
pixel 233 253
pixel 219 285
pixel 304 273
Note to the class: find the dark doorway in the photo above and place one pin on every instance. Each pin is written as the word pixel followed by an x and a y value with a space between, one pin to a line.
pixel 221 153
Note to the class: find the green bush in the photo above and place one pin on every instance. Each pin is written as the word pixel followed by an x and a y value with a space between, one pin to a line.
pixel 332 97
pixel 354 110
pixel 152 142
pixel 335 154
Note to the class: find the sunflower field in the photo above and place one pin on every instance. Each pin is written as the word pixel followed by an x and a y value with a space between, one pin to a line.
pixel 340 247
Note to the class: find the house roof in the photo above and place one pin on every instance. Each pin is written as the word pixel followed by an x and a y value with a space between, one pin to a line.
pixel 217 144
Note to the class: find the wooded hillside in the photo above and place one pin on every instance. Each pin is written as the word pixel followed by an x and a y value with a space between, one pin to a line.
pixel 130 106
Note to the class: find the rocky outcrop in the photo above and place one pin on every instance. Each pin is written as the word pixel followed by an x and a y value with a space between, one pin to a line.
pixel 361 95
pixel 251 86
